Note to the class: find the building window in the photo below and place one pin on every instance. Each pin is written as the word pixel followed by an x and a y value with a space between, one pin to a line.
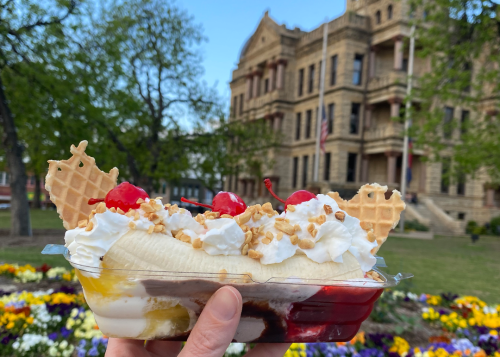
pixel 305 168
pixel 190 191
pixel 326 172
pixel 176 191
pixel 183 191
pixel 266 85
pixel 461 184
pixel 405 65
pixel 358 70
pixel 461 216
pixel 310 86
pixel 331 113
pixel 235 105
pixel 301 82
pixel 241 104
pixel 319 75
pixel 197 188
pixel 445 179
pixel 295 171
pixel 333 71
pixel 378 17
pixel 351 167
pixel 389 12
pixel 308 123
pixel 298 120
pixel 448 122
pixel 354 121
pixel 464 121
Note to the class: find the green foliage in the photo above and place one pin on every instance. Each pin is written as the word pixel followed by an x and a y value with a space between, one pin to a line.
pixel 127 77
pixel 470 227
pixel 414 225
pixel 460 39
pixel 495 224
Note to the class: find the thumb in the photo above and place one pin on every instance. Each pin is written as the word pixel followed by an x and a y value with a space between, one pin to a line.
pixel 216 326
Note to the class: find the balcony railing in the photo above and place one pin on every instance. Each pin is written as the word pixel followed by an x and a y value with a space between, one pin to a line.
pixel 384 131
pixel 260 101
pixel 387 80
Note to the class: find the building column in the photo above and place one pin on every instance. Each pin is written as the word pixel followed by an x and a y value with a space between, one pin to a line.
pixel 423 177
pixel 248 94
pixel 371 69
pixel 398 52
pixel 364 168
pixel 368 115
pixel 280 78
pixel 490 197
pixel 256 83
pixel 272 68
pixel 391 166
pixel 395 106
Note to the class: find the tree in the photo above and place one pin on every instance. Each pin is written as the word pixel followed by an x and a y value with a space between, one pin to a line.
pixel 27 32
pixel 163 122
pixel 461 38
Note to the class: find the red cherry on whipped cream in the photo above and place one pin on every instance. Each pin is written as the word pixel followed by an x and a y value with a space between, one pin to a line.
pixel 295 198
pixel 123 196
pixel 224 203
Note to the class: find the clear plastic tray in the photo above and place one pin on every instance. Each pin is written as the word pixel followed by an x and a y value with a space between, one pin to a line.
pixel 165 305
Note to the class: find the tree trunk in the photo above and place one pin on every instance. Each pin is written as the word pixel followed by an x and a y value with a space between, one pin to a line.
pixel 37 203
pixel 20 213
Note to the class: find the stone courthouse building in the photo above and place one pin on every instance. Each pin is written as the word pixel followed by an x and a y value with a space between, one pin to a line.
pixel 277 79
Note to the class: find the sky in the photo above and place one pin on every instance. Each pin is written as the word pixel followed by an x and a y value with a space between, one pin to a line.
pixel 229 23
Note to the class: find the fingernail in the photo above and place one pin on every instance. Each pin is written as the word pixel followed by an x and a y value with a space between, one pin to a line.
pixel 224 304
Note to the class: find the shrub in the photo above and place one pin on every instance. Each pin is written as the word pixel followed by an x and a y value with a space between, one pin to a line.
pixel 469 228
pixel 495 225
pixel 415 225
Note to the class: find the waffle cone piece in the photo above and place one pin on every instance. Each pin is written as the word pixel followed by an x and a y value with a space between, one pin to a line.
pixel 72 182
pixel 377 214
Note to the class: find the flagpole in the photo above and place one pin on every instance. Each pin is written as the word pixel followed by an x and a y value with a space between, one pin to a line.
pixel 320 107
pixel 404 168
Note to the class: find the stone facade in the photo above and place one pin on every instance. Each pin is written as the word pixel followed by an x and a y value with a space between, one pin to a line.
pixel 277 79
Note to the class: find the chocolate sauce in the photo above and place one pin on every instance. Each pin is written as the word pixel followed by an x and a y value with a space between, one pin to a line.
pixel 199 291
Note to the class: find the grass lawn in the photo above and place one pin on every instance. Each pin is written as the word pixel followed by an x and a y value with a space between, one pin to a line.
pixel 447 264
pixel 40 219
pixel 31 255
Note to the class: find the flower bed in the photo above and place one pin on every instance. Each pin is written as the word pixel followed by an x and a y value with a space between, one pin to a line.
pixel 59 323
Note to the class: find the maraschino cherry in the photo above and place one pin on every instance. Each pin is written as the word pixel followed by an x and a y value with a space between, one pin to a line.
pixel 295 198
pixel 123 196
pixel 224 203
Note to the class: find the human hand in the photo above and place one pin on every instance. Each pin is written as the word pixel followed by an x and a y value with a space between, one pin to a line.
pixel 210 337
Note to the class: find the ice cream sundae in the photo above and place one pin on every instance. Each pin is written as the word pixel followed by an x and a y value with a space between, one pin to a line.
pixel 148 267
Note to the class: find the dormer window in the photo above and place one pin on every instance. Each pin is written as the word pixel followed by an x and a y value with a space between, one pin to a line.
pixel 389 12
pixel 377 17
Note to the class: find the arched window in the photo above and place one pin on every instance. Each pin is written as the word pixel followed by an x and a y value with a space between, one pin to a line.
pixel 377 17
pixel 389 12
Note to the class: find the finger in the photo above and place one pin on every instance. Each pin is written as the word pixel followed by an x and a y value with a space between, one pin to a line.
pixel 268 350
pixel 216 326
pixel 120 347
pixel 164 348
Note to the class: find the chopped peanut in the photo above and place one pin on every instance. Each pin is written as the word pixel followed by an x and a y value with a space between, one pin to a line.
pixel 222 274
pixel 101 208
pixel 297 228
pixel 197 243
pixel 136 216
pixel 256 217
pixel 139 201
pixel 266 241
pixel 371 236
pixel 132 225
pixel 244 251
pixel 328 209
pixel 290 208
pixel 151 229
pixel 294 239
pixel 366 225
pixel 244 217
pixel 279 236
pixel 285 227
pixel 267 207
pixel 226 216
pixel 90 226
pixel 247 278
pixel 147 207
pixel 248 237
pixel 255 254
pixel 130 213
pixel 306 244
pixel 112 209
pixel 269 235
pixel 120 211
pixel 310 227
pixel 158 228
pixel 340 216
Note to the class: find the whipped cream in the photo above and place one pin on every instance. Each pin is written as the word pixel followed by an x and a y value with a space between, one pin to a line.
pixel 223 236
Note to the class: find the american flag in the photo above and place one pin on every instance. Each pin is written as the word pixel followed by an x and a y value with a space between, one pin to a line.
pixel 324 130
